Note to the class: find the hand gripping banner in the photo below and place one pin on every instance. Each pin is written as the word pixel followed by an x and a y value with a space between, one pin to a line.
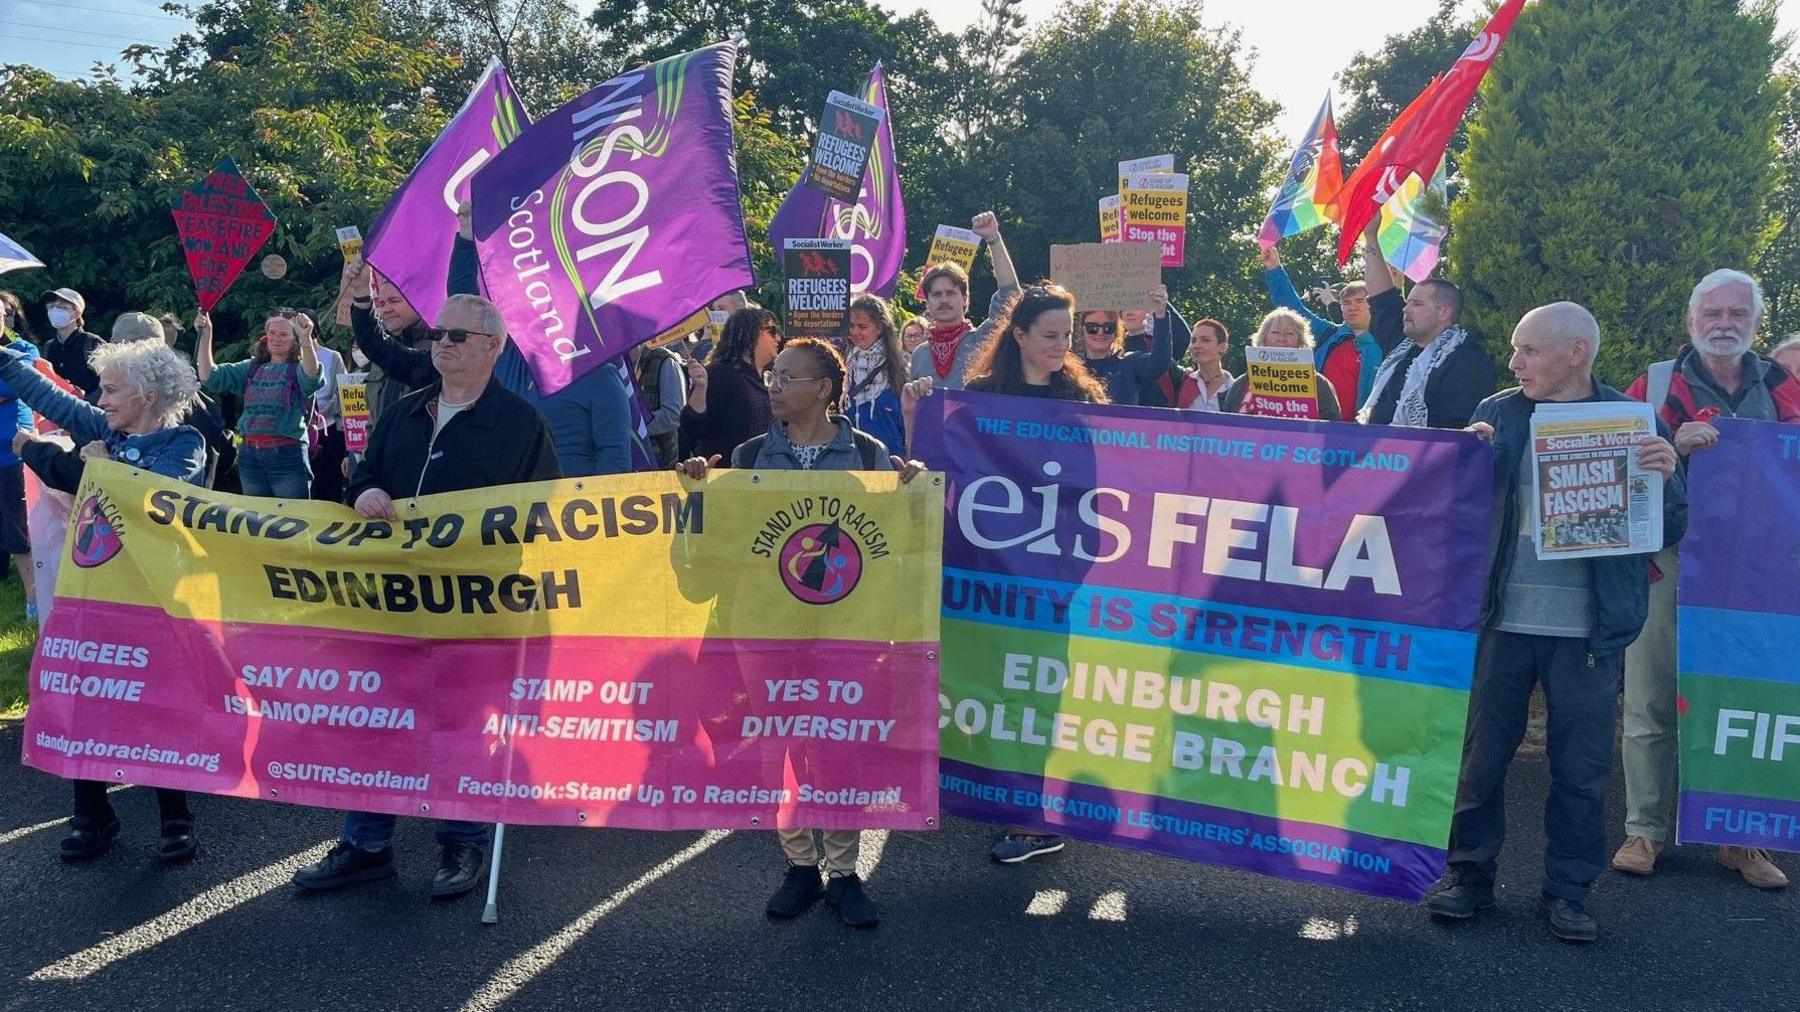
pixel 1239 640
pixel 755 651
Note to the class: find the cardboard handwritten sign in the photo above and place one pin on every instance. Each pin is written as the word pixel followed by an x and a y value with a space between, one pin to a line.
pixel 222 223
pixel 818 287
pixel 1116 276
pixel 846 135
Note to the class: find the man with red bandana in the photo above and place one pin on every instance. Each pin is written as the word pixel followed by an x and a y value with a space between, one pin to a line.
pixel 952 341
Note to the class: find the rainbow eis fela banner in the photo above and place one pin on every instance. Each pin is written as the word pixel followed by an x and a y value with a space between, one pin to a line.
pixel 1738 705
pixel 754 651
pixel 1238 640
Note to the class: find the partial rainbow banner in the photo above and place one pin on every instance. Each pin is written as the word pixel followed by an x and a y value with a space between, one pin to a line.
pixel 1739 689
pixel 754 651
pixel 1240 640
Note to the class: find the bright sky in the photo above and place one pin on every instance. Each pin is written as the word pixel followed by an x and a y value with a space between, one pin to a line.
pixel 1301 43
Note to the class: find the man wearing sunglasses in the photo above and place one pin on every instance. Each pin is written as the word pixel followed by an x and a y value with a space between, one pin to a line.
pixel 465 431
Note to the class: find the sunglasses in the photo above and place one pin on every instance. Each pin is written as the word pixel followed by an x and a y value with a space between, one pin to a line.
pixel 1098 328
pixel 455 335
pixel 1046 291
pixel 287 314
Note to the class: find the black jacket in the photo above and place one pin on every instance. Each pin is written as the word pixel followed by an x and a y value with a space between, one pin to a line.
pixel 1620 584
pixel 737 408
pixel 498 440
pixel 56 467
pixel 69 357
pixel 1453 389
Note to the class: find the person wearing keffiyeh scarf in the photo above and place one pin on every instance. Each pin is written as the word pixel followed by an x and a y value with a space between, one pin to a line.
pixel 875 372
pixel 1437 372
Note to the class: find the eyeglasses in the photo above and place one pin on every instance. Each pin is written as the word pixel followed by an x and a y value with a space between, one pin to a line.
pixel 455 335
pixel 779 380
pixel 1098 328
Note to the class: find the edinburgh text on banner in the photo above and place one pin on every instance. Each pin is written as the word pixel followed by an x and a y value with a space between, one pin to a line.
pixel 615 217
pixel 755 651
pixel 1225 638
pixel 1739 693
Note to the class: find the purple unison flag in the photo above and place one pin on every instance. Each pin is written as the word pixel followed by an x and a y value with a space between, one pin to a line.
pixel 616 216
pixel 875 224
pixel 411 240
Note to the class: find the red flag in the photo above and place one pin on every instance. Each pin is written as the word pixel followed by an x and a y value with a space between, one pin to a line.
pixel 1415 142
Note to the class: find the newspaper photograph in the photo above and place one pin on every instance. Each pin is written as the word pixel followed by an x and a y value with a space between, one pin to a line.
pixel 1589 496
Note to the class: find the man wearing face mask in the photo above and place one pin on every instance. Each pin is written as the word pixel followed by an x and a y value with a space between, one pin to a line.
pixel 69 349
pixel 1716 374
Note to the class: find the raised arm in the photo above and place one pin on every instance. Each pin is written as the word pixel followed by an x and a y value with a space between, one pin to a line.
pixel 1283 294
pixel 309 353
pixel 1152 364
pixel 987 226
pixel 84 421
pixel 203 349
pixel 465 264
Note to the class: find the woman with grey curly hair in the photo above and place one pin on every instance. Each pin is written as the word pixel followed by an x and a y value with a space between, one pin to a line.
pixel 145 388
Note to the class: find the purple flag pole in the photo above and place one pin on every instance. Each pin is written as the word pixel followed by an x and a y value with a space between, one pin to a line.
pixel 875 224
pixel 615 217
pixel 411 240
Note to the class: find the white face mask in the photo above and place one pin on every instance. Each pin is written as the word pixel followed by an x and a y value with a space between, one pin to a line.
pixel 60 317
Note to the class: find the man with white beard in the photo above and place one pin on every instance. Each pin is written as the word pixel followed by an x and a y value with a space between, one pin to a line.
pixel 1716 374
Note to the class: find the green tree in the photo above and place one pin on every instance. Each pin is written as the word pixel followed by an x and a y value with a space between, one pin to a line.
pixel 1104 82
pixel 1377 85
pixel 1623 149
pixel 1778 264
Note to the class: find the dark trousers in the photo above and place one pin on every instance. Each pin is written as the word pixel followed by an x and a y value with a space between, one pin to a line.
pixel 1582 695
pixel 328 478
pixel 93 811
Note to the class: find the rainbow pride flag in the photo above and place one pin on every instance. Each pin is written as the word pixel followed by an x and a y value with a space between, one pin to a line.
pixel 1414 222
pixel 1314 176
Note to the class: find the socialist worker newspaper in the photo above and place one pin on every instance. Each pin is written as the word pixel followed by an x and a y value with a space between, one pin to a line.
pixel 1589 495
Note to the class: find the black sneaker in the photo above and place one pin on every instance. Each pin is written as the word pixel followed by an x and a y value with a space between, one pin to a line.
pixel 87 844
pixel 1016 847
pixel 459 870
pixel 344 864
pixel 178 843
pixel 845 894
pixel 1462 893
pixel 1569 919
pixel 800 889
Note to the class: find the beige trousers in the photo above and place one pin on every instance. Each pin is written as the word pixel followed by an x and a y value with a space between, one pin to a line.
pixel 841 848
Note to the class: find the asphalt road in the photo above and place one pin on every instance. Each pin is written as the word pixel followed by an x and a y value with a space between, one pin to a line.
pixel 627 920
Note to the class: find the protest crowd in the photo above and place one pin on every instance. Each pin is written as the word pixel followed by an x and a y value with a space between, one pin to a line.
pixel 386 396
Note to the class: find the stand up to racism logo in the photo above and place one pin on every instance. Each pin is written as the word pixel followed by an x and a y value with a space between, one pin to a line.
pixel 98 534
pixel 820 564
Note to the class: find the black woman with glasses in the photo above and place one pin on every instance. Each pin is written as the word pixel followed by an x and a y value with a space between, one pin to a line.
pixel 275 385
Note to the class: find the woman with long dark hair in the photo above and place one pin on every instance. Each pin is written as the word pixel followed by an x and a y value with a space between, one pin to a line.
pixel 1030 353
pixel 727 399
pixel 877 368
pixel 276 385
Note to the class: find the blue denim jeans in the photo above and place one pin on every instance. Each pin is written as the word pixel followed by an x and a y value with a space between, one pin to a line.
pixel 375 830
pixel 280 472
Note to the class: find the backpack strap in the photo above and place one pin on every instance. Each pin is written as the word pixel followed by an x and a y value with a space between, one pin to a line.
pixel 1657 391
pixel 867 448
pixel 748 450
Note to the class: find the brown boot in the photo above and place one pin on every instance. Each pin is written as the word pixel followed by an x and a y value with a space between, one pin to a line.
pixel 1637 856
pixel 1754 864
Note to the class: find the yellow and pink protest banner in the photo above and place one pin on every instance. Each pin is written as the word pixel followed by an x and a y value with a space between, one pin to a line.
pixel 755 651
